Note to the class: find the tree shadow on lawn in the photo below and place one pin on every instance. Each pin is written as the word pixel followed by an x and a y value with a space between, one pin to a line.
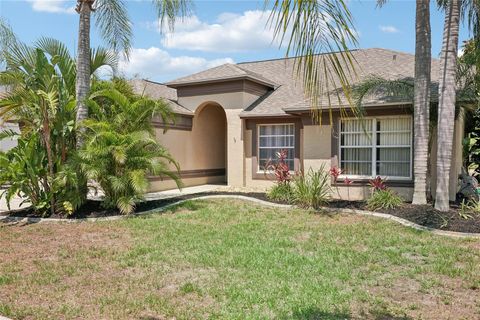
pixel 317 314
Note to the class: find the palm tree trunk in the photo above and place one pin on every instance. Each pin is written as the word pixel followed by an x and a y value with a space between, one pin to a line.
pixel 446 104
pixel 423 59
pixel 82 87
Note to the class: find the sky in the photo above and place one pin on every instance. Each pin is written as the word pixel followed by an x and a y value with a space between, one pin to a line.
pixel 217 32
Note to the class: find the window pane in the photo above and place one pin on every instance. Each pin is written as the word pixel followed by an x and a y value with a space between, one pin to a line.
pixel 354 125
pixel 273 139
pixel 393 162
pixel 394 124
pixel 393 154
pixel 357 141
pixel 357 168
pixel 393 139
pixel 393 169
pixel 357 154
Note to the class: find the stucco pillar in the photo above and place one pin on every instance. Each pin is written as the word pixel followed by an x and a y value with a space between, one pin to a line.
pixel 235 148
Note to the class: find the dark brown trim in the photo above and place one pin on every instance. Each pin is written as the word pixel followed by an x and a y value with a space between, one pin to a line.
pixel 182 122
pixel 199 173
pixel 365 182
pixel 326 109
pixel 178 85
pixel 252 124
pixel 237 85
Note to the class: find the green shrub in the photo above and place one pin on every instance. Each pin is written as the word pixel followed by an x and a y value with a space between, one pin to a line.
pixel 120 149
pixel 280 192
pixel 384 199
pixel 311 190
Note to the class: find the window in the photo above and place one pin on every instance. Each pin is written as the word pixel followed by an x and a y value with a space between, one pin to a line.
pixel 376 146
pixel 273 138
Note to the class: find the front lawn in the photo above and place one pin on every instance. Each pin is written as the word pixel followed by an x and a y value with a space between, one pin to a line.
pixel 228 259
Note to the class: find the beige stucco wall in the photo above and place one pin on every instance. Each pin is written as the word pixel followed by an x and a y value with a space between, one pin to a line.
pixel 235 148
pixel 232 100
pixel 202 148
pixel 161 185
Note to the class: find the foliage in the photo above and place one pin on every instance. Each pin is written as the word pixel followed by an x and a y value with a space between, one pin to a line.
pixel 471 153
pixel 282 192
pixel 311 190
pixel 469 208
pixel 311 28
pixel 280 167
pixel 384 199
pixel 335 172
pixel 41 83
pixel 378 184
pixel 120 149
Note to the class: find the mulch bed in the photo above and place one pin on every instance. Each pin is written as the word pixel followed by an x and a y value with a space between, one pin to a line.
pixel 424 215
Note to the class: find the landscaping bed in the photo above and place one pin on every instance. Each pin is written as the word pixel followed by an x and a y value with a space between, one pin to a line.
pixel 424 215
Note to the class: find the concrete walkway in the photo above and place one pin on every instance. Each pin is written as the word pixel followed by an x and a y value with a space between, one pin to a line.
pixel 188 190
pixel 14 204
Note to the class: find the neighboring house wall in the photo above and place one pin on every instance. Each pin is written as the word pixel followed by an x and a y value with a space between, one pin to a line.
pixel 7 144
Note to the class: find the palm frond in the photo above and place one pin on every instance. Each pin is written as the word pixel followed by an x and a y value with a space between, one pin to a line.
pixel 111 18
pixel 386 88
pixel 310 29
pixel 169 10
pixel 101 57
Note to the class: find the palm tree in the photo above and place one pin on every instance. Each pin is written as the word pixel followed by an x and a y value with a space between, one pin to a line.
pixel 423 61
pixel 421 98
pixel 446 105
pixel 41 99
pixel 115 27
pixel 120 149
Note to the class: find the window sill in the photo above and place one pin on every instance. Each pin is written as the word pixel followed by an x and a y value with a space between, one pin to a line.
pixel 366 182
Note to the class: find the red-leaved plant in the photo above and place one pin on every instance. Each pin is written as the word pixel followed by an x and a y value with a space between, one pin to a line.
pixel 335 172
pixel 280 167
pixel 378 184
pixel 347 181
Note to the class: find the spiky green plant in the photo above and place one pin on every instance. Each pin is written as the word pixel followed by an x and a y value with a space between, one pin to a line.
pixel 120 150
pixel 384 199
pixel 311 190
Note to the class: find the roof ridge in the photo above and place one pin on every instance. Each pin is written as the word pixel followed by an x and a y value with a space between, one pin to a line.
pixel 295 57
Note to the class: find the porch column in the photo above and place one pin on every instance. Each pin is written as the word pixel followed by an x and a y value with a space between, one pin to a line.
pixel 235 149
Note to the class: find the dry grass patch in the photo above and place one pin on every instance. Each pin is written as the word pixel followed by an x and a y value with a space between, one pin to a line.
pixel 227 259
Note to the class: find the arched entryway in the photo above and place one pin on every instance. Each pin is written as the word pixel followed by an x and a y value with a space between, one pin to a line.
pixel 210 140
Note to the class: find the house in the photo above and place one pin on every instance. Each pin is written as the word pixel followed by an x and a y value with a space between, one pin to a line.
pixel 8 143
pixel 233 118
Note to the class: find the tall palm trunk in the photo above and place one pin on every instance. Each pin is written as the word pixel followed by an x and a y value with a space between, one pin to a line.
pixel 82 86
pixel 446 104
pixel 423 60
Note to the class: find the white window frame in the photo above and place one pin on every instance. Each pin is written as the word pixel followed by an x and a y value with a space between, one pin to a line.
pixel 374 148
pixel 258 143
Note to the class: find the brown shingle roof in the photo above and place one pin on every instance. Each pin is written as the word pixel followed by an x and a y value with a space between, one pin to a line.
pixel 288 93
pixel 156 90
pixel 221 73
pixel 370 62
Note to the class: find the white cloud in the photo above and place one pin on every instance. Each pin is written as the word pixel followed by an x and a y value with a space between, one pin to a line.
pixel 53 6
pixel 389 29
pixel 231 33
pixel 155 63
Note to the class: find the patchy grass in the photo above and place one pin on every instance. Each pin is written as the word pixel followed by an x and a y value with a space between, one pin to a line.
pixel 233 260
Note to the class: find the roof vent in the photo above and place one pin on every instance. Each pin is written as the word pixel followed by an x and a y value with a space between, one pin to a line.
pixel 394 57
